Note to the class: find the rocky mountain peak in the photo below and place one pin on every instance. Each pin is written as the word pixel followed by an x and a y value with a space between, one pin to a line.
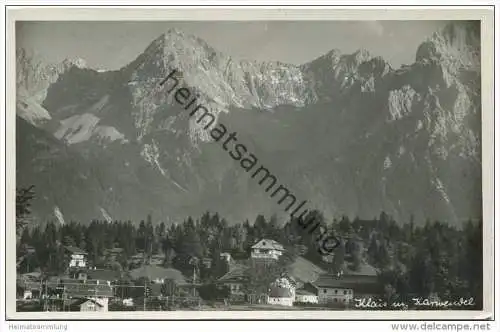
pixel 457 45
pixel 349 132
pixel 219 78
pixel 77 62
pixel 34 76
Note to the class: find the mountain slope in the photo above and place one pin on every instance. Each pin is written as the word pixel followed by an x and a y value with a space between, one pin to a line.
pixel 346 132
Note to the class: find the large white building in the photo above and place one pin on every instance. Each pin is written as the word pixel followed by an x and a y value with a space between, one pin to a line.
pixel 78 257
pixel 265 248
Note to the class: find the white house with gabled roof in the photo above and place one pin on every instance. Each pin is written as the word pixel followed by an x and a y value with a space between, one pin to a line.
pixel 269 249
pixel 77 257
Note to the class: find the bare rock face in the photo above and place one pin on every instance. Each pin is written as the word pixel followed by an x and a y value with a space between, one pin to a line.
pixel 345 131
pixel 34 77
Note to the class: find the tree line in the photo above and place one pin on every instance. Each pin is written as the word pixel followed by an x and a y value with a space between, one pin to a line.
pixel 433 258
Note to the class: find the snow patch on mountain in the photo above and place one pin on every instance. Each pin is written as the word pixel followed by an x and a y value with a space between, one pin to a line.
pixel 80 128
pixel 59 216
pixel 151 154
pixel 106 215
pixel 31 111
pixel 98 106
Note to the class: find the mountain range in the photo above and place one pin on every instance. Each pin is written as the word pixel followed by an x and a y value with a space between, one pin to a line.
pixel 346 132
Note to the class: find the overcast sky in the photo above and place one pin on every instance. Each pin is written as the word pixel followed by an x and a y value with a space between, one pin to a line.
pixel 111 45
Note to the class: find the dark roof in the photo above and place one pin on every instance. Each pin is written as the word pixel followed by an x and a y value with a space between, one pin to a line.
pixel 80 301
pixel 55 279
pixel 268 244
pixel 109 275
pixel 115 252
pixel 237 273
pixel 303 292
pixel 350 282
pixel 75 250
pixel 31 276
pixel 88 289
pixel 140 255
pixel 364 270
pixel 303 270
pixel 280 292
pixel 28 284
pixel 158 256
pixel 153 272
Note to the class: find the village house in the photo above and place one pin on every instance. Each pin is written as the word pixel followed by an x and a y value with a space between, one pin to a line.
pixel 299 272
pixel 98 291
pixel 128 302
pixel 341 288
pixel 303 271
pixel 158 274
pixel 235 280
pixel 157 259
pixel 331 289
pixel 28 285
pixel 226 256
pixel 137 259
pixel 78 274
pixel 282 291
pixel 112 255
pixel 77 256
pixel 365 273
pixel 267 249
pixel 104 274
pixel 61 294
pixel 101 275
pixel 304 296
pixel 281 296
pixel 25 292
pixel 27 295
pixel 84 304
pixel 206 262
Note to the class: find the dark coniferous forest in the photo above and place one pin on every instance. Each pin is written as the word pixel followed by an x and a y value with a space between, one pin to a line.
pixel 412 261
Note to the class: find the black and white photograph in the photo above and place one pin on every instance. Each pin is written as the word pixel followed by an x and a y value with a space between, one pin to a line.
pixel 249 166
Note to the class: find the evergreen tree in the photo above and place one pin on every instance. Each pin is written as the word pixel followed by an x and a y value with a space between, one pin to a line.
pixel 339 258
pixel 345 226
pixel 24 198
pixel 191 244
pixel 273 231
pixel 149 237
pixel 141 236
pixel 357 255
pixel 219 266
pixel 260 227
pixel 384 258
